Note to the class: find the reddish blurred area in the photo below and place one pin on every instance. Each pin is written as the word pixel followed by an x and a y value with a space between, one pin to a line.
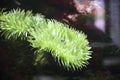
pixel 80 14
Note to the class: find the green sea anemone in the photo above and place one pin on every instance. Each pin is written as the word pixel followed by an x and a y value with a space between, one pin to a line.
pixel 69 47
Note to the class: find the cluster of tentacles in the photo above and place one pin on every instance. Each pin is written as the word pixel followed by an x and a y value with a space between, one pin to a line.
pixel 68 46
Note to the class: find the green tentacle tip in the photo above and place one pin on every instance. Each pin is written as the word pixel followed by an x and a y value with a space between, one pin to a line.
pixel 17 23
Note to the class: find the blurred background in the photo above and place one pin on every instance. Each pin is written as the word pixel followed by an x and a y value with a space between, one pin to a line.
pixel 98 19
